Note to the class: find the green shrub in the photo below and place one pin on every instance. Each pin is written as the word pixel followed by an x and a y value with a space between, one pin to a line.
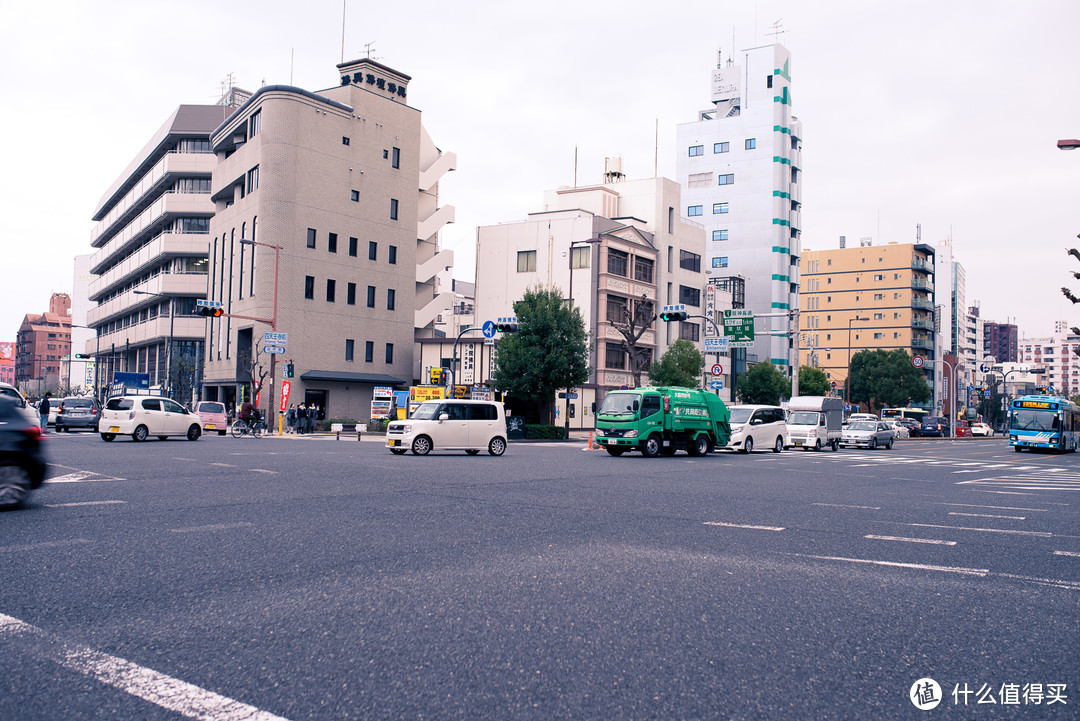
pixel 544 432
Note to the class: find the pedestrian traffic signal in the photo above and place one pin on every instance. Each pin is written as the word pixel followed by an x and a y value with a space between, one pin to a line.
pixel 673 312
pixel 289 370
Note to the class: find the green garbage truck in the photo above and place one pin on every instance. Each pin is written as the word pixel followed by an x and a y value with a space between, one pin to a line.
pixel 658 421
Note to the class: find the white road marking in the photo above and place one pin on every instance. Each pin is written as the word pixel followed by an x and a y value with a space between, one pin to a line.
pixel 81 477
pixel 997 508
pixel 921 566
pixel 739 525
pixel 1040 534
pixel 212 527
pixel 911 540
pixel 44 544
pixel 840 505
pixel 970 470
pixel 987 515
pixel 82 503
pixel 223 465
pixel 1074 554
pixel 262 470
pixel 1005 493
pixel 157 688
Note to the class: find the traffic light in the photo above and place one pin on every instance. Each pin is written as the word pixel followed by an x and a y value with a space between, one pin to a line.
pixel 83 356
pixel 506 325
pixel 436 376
pixel 673 312
pixel 211 312
pixel 289 370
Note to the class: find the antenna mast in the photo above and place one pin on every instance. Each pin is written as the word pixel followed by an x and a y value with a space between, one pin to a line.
pixel 777 29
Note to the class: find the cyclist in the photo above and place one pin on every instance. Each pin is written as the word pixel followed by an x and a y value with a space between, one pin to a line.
pixel 249 415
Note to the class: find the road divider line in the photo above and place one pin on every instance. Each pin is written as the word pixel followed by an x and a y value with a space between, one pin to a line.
pixel 912 540
pixel 224 465
pixel 996 508
pixel 157 688
pixel 44 544
pixel 840 505
pixel 1040 534
pixel 1073 554
pixel 212 527
pixel 740 525
pixel 986 515
pixel 981 572
pixel 262 470
pixel 82 503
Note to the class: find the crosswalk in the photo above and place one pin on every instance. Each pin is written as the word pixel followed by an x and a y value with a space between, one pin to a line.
pixel 1017 478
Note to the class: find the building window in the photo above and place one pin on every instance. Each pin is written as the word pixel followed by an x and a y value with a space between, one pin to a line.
pixel 350 294
pixel 391 298
pixel 526 261
pixel 877 296
pixel 344 140
pixel 311 237
pixel 617 262
pixel 614 356
pixel 689 261
pixel 331 242
pixel 371 296
pixel 354 196
pixel 689 296
pixel 389 352
pixel 878 336
pixel 391 255
pixel 395 158
pixel 879 316
pixel 616 309
pixel 309 287
pixel 699 180
pixel 255 123
pixel 768 81
pixel 579 257
pixel 878 276
pixel 372 250
pixel 689 331
pixel 643 270
pixel 728 179
pixel 353 242
pixel 720 262
pixel 253 179
pixel 369 351
pixel 720 234
pixel 393 208
pixel 696 150
pixel 719 208
pixel 720 147
pixel 331 286
pixel 694 210
pixel 751 143
pixel 349 349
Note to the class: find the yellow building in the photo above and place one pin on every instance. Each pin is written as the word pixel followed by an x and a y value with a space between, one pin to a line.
pixel 866 297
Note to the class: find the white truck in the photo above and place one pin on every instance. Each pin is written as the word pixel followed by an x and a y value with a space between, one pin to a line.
pixel 815 422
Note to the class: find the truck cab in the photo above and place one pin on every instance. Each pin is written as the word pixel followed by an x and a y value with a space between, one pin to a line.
pixel 815 422
pixel 661 421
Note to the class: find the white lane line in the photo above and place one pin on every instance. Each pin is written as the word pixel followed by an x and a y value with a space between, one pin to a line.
pixel 157 688
pixel 921 566
pixel 1074 554
pixel 739 525
pixel 1040 534
pixel 911 540
pixel 1004 493
pixel 987 515
pixel 212 527
pixel 86 477
pixel 82 503
pixel 185 459
pixel 970 470
pixel 262 470
pixel 44 544
pixel 840 505
pixel 223 465
pixel 996 508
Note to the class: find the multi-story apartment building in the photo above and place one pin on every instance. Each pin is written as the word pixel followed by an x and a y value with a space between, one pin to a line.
pixel 1000 341
pixel 42 348
pixel 740 165
pixel 1057 354
pixel 605 247
pixel 867 297
pixel 326 230
pixel 151 236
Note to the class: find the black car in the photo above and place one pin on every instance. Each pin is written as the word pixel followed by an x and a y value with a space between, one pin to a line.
pixel 913 426
pixel 935 426
pixel 76 412
pixel 22 458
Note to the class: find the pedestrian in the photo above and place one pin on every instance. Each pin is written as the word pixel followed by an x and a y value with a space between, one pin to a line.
pixel 43 411
pixel 290 418
pixel 314 418
pixel 301 419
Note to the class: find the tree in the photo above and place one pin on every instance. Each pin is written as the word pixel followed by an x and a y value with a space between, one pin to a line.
pixel 638 317
pixel 763 383
pixel 813 382
pixel 681 365
pixel 249 363
pixel 548 353
pixel 886 378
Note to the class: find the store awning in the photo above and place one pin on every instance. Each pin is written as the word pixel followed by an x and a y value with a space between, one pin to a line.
pixel 343 377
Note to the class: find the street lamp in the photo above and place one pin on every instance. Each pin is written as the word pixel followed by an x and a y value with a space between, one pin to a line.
pixel 168 351
pixel 272 321
pixel 573 244
pixel 847 377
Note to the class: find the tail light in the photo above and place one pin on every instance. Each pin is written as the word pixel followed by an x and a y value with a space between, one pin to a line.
pixel 131 415
pixel 33 431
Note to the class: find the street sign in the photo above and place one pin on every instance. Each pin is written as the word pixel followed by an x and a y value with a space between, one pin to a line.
pixel 572 395
pixel 739 328
pixel 200 303
pixel 489 329
pixel 716 385
pixel 984 368
pixel 717 369
pixel 715 344
pixel 276 338
pixel 274 349
pixel 918 361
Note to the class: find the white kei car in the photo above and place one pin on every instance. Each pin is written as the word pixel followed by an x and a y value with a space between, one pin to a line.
pixel 143 416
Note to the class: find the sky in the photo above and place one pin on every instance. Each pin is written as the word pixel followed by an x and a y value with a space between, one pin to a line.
pixel 939 114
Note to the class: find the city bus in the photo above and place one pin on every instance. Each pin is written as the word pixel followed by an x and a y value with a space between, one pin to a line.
pixel 891 414
pixel 1044 422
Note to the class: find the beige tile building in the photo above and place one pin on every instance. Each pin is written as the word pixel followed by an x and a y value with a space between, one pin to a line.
pixel 339 190
pixel 866 297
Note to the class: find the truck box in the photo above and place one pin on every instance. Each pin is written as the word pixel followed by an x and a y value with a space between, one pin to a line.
pixel 662 420
pixel 815 422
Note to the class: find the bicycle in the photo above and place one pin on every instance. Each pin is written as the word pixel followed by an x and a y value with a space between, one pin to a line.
pixel 241 428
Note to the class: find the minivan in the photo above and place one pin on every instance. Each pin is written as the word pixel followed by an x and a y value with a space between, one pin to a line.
pixel 935 426
pixel 450 425
pixel 757 426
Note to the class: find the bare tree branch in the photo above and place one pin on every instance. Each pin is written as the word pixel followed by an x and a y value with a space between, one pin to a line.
pixel 637 318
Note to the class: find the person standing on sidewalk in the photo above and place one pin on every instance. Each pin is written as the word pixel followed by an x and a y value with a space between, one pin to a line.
pixel 290 419
pixel 43 411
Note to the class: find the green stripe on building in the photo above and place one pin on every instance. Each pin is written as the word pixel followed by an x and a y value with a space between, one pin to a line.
pixel 778 159
pixel 781 194
pixel 777 276
pixel 781 129
pixel 784 98
pixel 780 221
pixel 784 72
pixel 781 306
pixel 778 249
pixel 778 361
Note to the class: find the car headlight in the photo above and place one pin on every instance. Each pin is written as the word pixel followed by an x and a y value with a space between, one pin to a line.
pixel 630 434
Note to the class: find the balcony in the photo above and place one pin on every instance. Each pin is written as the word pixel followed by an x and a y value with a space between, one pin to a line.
pixel 926 343
pixel 177 284
pixel 148 332
pixel 922 323
pixel 163 246
pixel 922 304
pixel 922 283
pixel 920 264
pixel 154 218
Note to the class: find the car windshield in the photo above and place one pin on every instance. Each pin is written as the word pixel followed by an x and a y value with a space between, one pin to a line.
pixel 863 426
pixel 804 418
pixel 10 393
pixel 426 411
pixel 211 408
pixel 741 415
pixel 616 404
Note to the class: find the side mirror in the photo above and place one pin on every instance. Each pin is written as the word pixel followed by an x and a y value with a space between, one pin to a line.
pixel 637 405
pixel 444 417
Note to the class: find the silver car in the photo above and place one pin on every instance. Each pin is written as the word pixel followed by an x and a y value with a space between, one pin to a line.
pixel 869 434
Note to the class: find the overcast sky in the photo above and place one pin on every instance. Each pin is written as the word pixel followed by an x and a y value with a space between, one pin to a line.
pixel 940 113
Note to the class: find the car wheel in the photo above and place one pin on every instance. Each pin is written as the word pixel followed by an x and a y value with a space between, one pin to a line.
pixel 497 446
pixel 107 437
pixel 888 446
pixel 651 449
pixel 872 444
pixel 421 446
pixel 140 434
pixel 748 446
pixel 835 446
pixel 779 445
pixel 15 485
pixel 398 451
pixel 472 451
pixel 615 450
pixel 700 446
pixel 194 432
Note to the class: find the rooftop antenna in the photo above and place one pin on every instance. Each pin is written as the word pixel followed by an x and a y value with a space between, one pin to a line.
pixel 369 49
pixel 227 84
pixel 344 3
pixel 777 29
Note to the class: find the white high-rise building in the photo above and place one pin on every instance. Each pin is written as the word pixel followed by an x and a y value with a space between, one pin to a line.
pixel 739 165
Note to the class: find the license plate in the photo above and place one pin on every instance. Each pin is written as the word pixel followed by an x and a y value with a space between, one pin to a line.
pixel 114 429
pixel 210 425
pixel 395 443
pixel 798 443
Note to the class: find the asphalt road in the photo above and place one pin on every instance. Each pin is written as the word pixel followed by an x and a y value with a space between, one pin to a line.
pixel 304 578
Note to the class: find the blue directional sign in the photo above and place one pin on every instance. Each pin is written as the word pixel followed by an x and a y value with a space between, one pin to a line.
pixel 716 385
pixel 489 329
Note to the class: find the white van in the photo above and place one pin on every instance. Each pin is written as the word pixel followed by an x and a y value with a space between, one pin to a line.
pixel 28 411
pixel 815 422
pixel 757 426
pixel 450 425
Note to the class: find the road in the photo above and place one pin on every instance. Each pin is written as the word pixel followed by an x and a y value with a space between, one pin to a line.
pixel 304 578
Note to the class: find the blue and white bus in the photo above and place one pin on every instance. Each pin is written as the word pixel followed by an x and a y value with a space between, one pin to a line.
pixel 1044 422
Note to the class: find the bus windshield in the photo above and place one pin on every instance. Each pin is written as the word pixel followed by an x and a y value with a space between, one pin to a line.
pixel 1030 420
pixel 617 404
